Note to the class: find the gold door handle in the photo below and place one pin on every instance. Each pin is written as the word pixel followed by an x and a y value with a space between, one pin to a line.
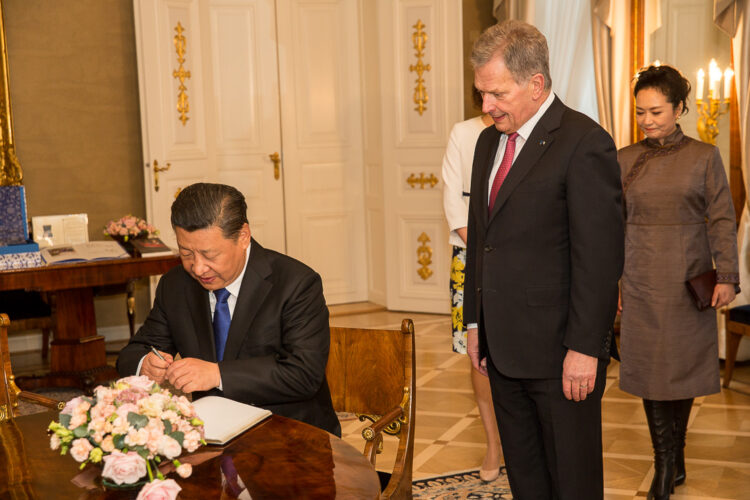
pixel 276 159
pixel 158 169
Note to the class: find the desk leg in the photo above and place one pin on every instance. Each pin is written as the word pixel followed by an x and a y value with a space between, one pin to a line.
pixel 77 355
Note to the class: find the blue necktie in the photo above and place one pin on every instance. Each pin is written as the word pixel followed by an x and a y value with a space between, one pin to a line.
pixel 221 321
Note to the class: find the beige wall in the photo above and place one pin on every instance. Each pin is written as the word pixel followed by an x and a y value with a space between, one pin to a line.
pixel 74 92
pixel 477 16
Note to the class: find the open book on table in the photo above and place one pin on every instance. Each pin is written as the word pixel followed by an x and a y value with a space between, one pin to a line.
pixel 224 418
pixel 83 252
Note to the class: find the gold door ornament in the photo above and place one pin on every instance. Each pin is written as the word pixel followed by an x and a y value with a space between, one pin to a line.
pixel 419 39
pixel 10 170
pixel 413 180
pixel 180 44
pixel 424 256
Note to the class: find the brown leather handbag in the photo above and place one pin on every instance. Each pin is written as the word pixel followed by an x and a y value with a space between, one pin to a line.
pixel 701 287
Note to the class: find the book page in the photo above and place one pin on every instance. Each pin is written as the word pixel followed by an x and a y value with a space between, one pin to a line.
pixel 82 252
pixel 225 418
pixel 54 230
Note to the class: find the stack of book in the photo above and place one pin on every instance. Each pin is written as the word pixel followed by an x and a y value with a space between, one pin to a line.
pixel 16 251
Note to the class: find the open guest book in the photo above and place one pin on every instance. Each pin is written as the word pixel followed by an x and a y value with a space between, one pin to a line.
pixel 83 252
pixel 225 419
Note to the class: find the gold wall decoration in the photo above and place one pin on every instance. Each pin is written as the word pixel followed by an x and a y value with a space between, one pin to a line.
pixel 10 170
pixel 413 180
pixel 419 39
pixel 183 105
pixel 424 256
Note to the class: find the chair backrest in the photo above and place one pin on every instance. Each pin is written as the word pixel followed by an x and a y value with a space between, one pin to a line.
pixel 9 391
pixel 6 399
pixel 371 372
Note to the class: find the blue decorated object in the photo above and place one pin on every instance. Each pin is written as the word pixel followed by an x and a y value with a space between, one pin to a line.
pixel 14 228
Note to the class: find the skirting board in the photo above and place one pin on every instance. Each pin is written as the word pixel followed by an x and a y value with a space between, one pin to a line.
pixel 32 340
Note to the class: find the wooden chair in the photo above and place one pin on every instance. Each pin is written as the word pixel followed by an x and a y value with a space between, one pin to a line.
pixel 29 311
pixel 737 325
pixel 371 373
pixel 9 391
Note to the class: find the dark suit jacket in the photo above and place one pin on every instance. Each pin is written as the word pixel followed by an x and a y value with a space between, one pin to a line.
pixel 278 341
pixel 542 269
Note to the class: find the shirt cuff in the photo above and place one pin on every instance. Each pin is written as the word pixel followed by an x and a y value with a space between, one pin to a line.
pixel 472 325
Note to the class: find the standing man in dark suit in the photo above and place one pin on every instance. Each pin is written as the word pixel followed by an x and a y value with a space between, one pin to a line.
pixel 544 255
pixel 250 324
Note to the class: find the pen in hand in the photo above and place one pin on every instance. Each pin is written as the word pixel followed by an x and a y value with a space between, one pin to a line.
pixel 158 354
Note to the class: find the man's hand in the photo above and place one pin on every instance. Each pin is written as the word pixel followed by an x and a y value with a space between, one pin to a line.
pixel 472 349
pixel 192 374
pixel 155 368
pixel 579 375
pixel 723 295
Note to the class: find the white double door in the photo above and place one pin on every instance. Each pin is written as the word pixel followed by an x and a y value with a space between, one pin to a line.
pixel 228 86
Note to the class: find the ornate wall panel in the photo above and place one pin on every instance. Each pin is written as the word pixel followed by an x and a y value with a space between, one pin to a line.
pixel 425 264
pixel 182 96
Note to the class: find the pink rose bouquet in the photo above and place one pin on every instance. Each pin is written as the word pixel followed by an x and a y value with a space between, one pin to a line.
pixel 129 428
pixel 128 227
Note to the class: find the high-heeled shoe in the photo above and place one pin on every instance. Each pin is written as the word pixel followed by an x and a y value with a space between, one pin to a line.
pixel 488 475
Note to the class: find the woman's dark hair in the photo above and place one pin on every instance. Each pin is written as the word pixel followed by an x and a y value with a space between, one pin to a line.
pixel 202 205
pixel 666 80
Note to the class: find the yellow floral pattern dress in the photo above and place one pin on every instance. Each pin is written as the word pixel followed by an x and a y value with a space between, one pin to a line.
pixel 457 299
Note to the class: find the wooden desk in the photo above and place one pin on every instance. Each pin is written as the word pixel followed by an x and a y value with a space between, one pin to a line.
pixel 279 458
pixel 77 355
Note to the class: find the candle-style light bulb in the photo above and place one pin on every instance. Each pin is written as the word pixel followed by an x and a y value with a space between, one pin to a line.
pixel 728 74
pixel 714 77
pixel 699 90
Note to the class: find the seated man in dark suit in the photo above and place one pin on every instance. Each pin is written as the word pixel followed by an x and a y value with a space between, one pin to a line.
pixel 250 324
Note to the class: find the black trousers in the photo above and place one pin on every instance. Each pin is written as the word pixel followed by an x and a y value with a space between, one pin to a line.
pixel 552 446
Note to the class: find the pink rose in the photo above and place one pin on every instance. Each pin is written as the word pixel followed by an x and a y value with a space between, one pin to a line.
pixel 139 382
pixel 124 468
pixel 71 405
pixel 80 449
pixel 159 490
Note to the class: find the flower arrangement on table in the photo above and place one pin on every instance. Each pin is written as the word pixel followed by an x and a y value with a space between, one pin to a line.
pixel 129 227
pixel 130 428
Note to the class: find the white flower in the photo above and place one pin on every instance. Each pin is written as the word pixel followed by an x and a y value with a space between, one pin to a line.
pixel 159 490
pixel 184 470
pixel 54 441
pixel 169 447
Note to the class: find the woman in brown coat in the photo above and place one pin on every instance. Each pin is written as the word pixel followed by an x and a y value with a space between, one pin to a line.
pixel 679 221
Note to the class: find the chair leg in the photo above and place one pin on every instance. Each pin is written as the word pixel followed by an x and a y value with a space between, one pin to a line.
pixel 732 344
pixel 45 343
pixel 130 302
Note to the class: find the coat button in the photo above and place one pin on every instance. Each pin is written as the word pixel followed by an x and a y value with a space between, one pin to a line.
pixel 488 248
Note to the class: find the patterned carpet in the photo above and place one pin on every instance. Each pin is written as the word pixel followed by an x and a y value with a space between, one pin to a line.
pixel 462 485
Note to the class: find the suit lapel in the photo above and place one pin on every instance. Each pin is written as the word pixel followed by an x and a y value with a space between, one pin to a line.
pixel 488 160
pixel 200 311
pixel 538 142
pixel 253 293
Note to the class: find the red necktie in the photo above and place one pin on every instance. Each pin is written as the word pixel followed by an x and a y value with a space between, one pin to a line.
pixel 502 171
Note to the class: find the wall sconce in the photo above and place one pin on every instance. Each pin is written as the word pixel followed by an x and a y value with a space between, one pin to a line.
pixel 713 107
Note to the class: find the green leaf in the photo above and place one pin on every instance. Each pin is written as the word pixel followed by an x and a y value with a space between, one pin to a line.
pixel 167 426
pixel 119 441
pixel 137 421
pixel 142 451
pixel 178 436
pixel 81 431
pixel 65 419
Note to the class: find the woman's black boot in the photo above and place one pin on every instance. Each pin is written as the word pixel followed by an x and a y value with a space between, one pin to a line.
pixel 660 416
pixel 681 415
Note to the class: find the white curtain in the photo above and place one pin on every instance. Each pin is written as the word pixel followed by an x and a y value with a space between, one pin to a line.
pixel 733 17
pixel 567 26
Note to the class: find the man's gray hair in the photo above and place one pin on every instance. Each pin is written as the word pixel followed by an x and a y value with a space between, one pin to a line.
pixel 522 48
